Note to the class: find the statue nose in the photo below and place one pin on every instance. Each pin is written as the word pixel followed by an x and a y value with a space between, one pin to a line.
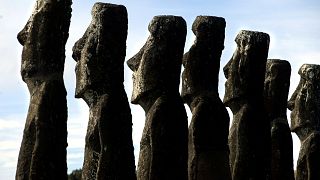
pixel 133 63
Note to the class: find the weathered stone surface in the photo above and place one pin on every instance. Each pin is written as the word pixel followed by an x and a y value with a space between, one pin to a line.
pixel 209 128
pixel 156 76
pixel 249 138
pixel 100 55
pixel 305 121
pixel 276 89
pixel 43 148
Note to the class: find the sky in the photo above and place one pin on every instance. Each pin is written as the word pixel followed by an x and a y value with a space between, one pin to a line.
pixel 293 26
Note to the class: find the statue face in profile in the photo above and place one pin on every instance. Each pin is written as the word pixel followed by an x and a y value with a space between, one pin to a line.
pixel 82 74
pixel 144 66
pixel 246 69
pixel 276 87
pixel 43 39
pixel 304 103
pixel 235 72
pixel 202 61
pixel 156 67
pixel 233 83
pixel 100 52
pixel 35 43
pixel 85 54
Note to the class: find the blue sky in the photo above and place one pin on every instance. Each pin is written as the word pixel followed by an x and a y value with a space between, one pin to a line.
pixel 293 25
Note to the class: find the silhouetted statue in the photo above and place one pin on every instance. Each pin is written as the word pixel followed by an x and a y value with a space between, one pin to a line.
pixel 100 55
pixel 249 138
pixel 305 121
pixel 276 89
pixel 156 77
pixel 43 148
pixel 209 128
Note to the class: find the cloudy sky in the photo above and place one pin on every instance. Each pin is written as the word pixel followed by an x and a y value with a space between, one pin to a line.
pixel 293 25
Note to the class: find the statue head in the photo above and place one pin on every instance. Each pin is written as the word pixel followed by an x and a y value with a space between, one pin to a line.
pixel 202 62
pixel 101 51
pixel 210 29
pixel 43 39
pixel 156 67
pixel 246 69
pixel 276 87
pixel 304 103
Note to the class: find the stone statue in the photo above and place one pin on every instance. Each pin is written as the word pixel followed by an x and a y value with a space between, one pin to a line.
pixel 249 138
pixel 100 55
pixel 209 128
pixel 305 121
pixel 156 76
pixel 276 89
pixel 43 148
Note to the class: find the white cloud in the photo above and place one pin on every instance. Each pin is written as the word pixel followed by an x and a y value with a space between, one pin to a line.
pixel 77 128
pixel 11 129
pixel 296 149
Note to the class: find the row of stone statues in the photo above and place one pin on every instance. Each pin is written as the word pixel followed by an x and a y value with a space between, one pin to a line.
pixel 258 146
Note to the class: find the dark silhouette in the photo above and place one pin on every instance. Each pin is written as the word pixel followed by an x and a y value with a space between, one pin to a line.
pixel 156 77
pixel 249 138
pixel 305 121
pixel 276 89
pixel 209 128
pixel 75 174
pixel 100 55
pixel 43 148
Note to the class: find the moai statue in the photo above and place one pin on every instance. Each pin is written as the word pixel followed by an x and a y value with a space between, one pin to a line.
pixel 43 148
pixel 276 89
pixel 305 121
pixel 209 128
pixel 156 76
pixel 100 55
pixel 249 138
